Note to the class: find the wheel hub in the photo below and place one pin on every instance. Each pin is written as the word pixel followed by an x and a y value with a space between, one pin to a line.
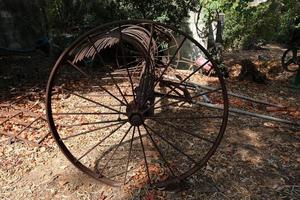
pixel 136 119
pixel 136 115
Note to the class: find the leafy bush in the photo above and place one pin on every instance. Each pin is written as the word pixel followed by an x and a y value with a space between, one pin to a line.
pixel 247 23
pixel 65 14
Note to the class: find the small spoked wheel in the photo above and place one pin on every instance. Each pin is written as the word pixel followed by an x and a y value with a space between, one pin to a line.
pixel 124 107
pixel 291 60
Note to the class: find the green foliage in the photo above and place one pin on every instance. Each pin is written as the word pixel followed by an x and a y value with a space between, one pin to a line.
pixel 65 14
pixel 247 23
pixel 167 11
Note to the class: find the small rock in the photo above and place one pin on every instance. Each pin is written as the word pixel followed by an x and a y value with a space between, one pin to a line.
pixel 209 168
pixel 43 149
pixel 269 124
pixel 63 182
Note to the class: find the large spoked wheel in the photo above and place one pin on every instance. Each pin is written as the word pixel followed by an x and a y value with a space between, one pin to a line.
pixel 291 60
pixel 124 108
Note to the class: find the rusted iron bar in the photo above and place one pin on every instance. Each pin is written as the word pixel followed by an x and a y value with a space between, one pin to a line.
pixel 9 118
pixel 242 112
pixel 238 96
pixel 20 138
pixel 28 126
pixel 43 138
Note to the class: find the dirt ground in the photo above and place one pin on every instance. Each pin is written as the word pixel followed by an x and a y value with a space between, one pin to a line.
pixel 257 159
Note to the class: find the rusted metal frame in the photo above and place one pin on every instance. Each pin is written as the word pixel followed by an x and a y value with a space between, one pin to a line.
pixel 180 99
pixel 129 155
pixel 43 137
pixel 152 106
pixel 194 86
pixel 88 113
pixel 175 85
pixel 98 122
pixel 170 96
pixel 167 66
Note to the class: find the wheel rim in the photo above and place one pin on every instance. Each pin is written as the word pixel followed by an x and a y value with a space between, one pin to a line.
pixel 290 62
pixel 147 109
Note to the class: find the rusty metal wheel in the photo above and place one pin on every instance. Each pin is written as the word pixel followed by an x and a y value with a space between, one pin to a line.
pixel 124 113
pixel 291 60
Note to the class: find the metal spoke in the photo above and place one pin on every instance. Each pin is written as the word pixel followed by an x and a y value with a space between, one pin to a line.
pixel 159 151
pixel 115 150
pixel 87 113
pixel 144 154
pixel 129 154
pixel 101 87
pixel 91 149
pixel 167 141
pixel 95 102
pixel 90 131
pixel 92 123
pixel 95 106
